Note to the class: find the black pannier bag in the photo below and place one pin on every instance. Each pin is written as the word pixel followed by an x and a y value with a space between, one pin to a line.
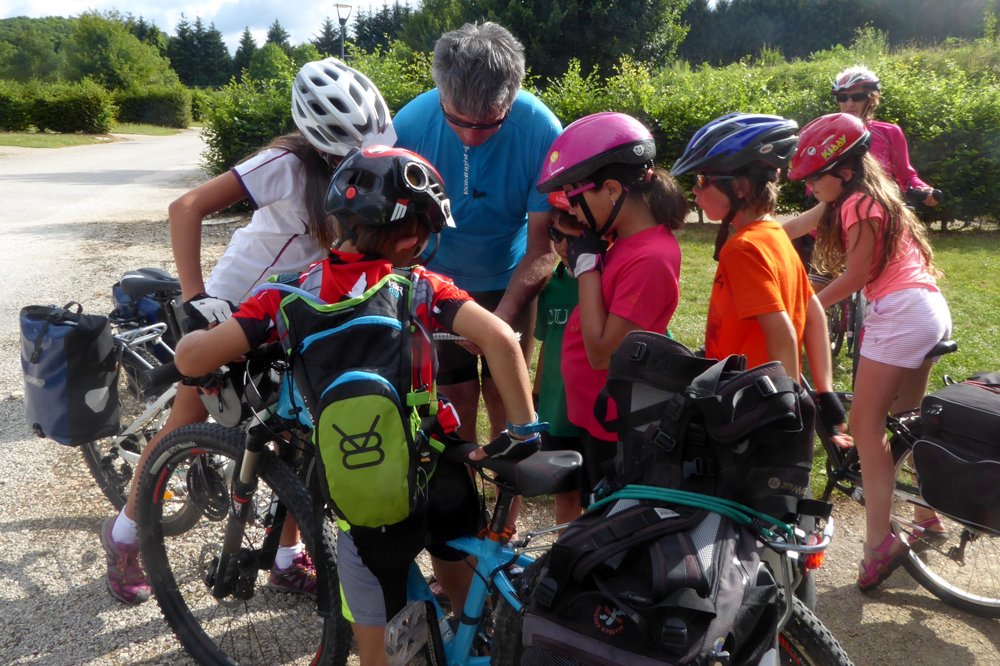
pixel 708 426
pixel 958 456
pixel 70 373
pixel 645 582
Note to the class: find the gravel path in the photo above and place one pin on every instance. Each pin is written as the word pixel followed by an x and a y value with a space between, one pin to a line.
pixel 75 220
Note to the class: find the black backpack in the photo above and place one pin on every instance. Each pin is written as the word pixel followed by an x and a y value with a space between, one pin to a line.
pixel 708 426
pixel 645 582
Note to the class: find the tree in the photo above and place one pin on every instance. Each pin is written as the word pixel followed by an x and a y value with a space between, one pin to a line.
pixel 327 42
pixel 148 33
pixel 597 34
pixel 105 51
pixel 28 54
pixel 277 35
pixel 215 64
pixel 183 52
pixel 270 63
pixel 376 28
pixel 435 17
pixel 244 52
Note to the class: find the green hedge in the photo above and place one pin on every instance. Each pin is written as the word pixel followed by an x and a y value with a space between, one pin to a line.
pixel 15 107
pixel 947 100
pixel 166 106
pixel 244 116
pixel 73 107
pixel 201 102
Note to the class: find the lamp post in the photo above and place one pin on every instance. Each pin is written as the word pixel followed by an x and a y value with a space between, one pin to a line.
pixel 343 13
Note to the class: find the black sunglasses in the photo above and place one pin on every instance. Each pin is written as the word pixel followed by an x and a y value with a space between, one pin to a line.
pixel 464 124
pixel 556 235
pixel 854 97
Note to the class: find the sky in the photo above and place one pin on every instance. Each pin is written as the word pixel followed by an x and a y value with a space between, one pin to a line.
pixel 302 20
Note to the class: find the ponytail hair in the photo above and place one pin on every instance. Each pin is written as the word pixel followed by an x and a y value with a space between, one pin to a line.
pixel 655 186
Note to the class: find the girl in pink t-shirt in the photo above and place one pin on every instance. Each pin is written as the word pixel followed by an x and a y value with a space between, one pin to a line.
pixel 626 259
pixel 871 241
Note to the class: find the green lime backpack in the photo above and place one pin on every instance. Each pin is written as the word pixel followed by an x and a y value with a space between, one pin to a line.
pixel 366 370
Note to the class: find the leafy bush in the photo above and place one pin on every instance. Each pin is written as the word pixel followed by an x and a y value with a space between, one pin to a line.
pixel 14 107
pixel 245 116
pixel 398 72
pixel 166 106
pixel 201 101
pixel 73 107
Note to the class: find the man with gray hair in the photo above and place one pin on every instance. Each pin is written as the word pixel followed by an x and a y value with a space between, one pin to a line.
pixel 488 138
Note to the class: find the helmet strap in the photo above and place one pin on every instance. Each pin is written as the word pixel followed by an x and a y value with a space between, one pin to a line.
pixel 427 257
pixel 722 235
pixel 616 207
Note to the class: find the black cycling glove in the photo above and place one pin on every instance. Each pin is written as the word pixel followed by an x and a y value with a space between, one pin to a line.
pixel 512 448
pixel 831 411
pixel 585 252
pixel 204 310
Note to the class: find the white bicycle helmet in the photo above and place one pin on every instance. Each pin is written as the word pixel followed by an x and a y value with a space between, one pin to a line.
pixel 853 76
pixel 338 108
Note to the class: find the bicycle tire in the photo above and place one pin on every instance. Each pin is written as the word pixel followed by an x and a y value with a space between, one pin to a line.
pixel 966 576
pixel 268 627
pixel 804 641
pixel 112 471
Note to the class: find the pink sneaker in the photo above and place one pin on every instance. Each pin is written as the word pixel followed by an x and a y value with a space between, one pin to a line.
pixel 298 578
pixel 126 580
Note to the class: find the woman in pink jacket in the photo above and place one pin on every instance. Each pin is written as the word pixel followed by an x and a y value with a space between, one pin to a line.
pixel 857 91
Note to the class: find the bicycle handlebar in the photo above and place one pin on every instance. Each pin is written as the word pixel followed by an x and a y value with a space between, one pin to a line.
pixel 158 378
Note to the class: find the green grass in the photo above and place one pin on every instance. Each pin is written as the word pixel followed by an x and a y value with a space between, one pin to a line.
pixel 49 139
pixel 56 140
pixel 149 130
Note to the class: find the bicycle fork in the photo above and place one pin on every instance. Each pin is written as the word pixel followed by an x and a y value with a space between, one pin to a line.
pixel 235 569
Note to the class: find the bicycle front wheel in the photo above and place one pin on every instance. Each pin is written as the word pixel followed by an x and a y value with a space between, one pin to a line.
pixel 255 624
pixel 805 641
pixel 958 564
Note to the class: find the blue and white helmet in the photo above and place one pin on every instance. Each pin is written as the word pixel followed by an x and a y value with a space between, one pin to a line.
pixel 739 140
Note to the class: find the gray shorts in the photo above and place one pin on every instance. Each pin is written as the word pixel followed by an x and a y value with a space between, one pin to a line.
pixel 362 599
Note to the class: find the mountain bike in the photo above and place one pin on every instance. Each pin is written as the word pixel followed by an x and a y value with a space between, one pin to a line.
pixel 211 581
pixel 844 322
pixel 505 573
pixel 145 327
pixel 960 567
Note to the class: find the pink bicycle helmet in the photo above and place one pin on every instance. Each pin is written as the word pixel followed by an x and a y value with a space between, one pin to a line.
pixel 826 142
pixel 855 76
pixel 593 142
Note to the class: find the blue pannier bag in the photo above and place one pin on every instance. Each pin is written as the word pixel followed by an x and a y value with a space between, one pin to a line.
pixel 70 373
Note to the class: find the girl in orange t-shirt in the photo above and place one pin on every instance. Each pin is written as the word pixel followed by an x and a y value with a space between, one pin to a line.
pixel 762 305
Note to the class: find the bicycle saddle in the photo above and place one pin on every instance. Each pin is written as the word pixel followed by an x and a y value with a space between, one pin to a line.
pixel 541 473
pixel 143 281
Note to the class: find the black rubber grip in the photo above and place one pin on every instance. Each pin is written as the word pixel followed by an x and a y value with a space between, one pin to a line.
pixel 160 377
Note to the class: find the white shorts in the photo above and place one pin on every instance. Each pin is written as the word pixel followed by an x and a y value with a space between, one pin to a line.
pixel 901 327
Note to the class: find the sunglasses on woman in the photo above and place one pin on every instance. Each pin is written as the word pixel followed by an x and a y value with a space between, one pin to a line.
pixel 854 97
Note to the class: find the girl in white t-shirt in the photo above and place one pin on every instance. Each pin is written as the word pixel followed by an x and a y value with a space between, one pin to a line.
pixel 286 184
pixel 871 241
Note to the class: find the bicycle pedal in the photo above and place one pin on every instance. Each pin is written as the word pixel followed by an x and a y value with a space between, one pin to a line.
pixel 406 634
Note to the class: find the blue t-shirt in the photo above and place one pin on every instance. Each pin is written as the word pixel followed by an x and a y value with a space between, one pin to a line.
pixel 492 186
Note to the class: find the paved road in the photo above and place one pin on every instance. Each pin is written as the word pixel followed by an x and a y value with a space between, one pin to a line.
pixel 73 219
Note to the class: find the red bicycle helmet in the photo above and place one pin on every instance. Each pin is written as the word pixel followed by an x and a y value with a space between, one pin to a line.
pixel 855 76
pixel 593 142
pixel 826 142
